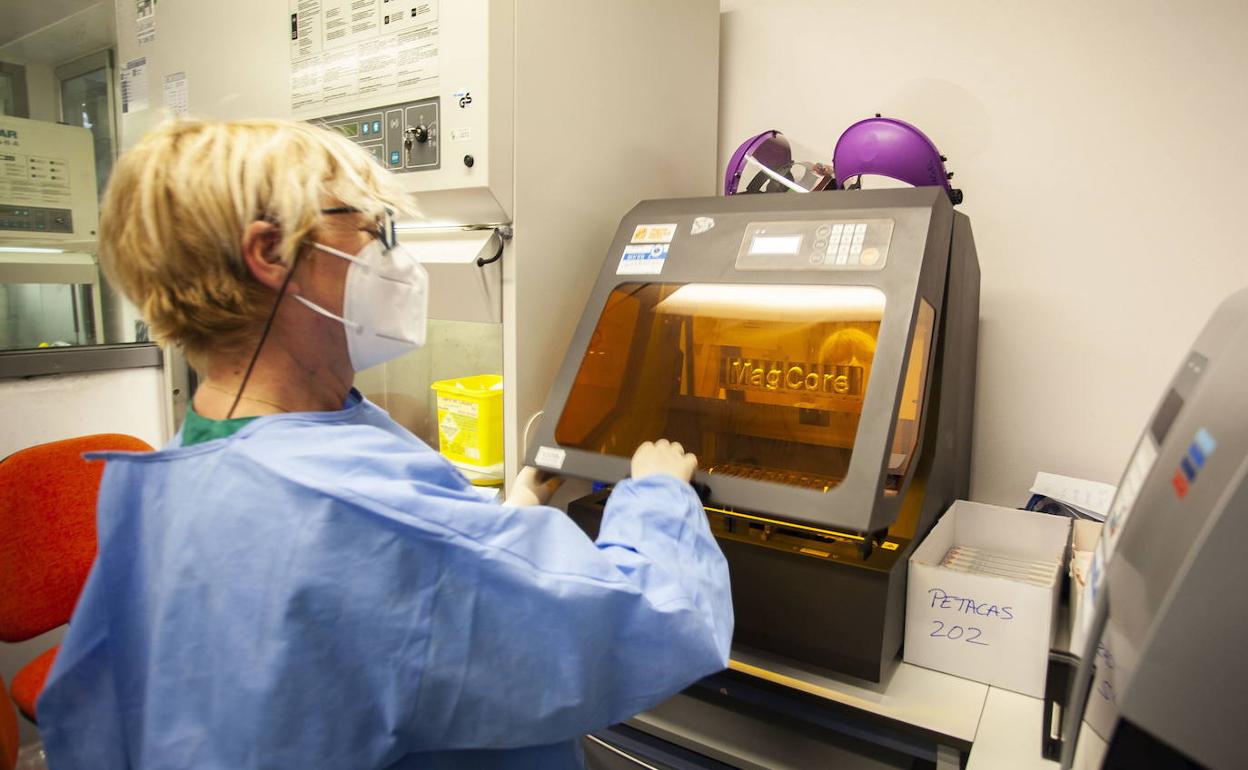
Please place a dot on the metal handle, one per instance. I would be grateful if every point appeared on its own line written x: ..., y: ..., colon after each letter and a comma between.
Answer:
x: 503, y: 234
x: 1057, y: 682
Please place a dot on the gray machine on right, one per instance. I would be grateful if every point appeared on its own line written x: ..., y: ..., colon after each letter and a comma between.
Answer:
x: 1163, y: 679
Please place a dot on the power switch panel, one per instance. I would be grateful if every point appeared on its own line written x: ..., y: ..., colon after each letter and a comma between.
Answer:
x: 33, y: 219
x: 402, y: 137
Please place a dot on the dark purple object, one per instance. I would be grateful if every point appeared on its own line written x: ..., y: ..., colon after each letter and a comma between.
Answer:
x: 892, y: 148
x: 769, y: 148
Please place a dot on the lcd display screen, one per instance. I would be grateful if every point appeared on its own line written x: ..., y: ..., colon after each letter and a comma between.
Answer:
x: 776, y: 244
x: 1171, y: 405
x: 349, y: 130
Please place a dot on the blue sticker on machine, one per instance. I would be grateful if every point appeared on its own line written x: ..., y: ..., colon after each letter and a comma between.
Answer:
x: 1198, y: 453
x: 643, y: 259
x: 1206, y: 442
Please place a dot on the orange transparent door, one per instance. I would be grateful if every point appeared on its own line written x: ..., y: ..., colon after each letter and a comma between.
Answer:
x: 761, y: 381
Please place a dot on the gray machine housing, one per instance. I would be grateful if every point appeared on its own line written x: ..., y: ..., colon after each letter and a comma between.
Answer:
x: 925, y: 232
x: 842, y: 611
x: 1166, y: 651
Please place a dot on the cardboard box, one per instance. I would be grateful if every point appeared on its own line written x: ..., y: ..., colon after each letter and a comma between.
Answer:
x: 1082, y: 544
x: 983, y: 627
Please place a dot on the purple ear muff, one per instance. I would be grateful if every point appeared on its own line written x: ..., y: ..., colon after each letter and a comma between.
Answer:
x: 769, y: 148
x: 892, y: 148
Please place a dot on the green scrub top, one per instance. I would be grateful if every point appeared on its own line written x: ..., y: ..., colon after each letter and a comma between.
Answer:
x: 196, y: 429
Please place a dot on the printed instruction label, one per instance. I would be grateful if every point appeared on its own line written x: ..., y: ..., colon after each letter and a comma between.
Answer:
x: 654, y: 233
x: 550, y: 457
x: 34, y: 179
x: 177, y: 95
x: 145, y: 21
x: 341, y: 49
x: 643, y: 259
x: 134, y: 96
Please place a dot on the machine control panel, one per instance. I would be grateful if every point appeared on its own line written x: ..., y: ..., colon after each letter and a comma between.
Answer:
x: 843, y: 244
x: 34, y: 219
x: 402, y: 137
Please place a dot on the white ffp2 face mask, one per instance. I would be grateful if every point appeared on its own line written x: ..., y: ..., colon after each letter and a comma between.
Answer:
x: 385, y: 303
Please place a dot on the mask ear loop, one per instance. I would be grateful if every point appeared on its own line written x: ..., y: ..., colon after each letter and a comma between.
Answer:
x: 264, y: 335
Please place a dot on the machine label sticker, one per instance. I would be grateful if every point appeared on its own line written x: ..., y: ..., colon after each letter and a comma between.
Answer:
x: 550, y: 457
x: 643, y: 259
x: 460, y: 134
x: 654, y: 233
x: 701, y: 225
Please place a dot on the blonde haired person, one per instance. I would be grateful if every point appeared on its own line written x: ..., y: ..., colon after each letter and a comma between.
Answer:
x: 297, y: 581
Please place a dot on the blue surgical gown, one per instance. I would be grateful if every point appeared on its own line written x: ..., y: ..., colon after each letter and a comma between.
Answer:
x: 322, y: 590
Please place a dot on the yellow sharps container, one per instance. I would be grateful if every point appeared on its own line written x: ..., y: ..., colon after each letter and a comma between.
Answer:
x: 470, y: 422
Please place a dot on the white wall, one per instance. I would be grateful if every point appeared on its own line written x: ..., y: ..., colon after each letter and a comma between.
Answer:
x: 1100, y: 147
x: 41, y: 409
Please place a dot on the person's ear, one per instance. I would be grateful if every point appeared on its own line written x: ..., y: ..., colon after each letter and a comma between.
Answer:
x: 260, y: 244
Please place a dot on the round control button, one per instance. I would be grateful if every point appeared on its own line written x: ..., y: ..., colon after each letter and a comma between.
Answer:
x: 820, y: 245
x: 823, y: 231
x: 816, y: 258
x: 870, y: 256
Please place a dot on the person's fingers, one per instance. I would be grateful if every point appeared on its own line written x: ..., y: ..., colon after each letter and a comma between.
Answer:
x: 679, y: 449
x: 691, y: 461
x: 662, y: 443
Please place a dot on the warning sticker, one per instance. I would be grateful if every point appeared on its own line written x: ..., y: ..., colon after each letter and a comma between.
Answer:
x: 654, y: 233
x: 458, y: 427
x: 643, y: 259
x: 450, y: 427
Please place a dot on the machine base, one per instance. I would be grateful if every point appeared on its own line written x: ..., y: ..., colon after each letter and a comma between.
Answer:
x: 835, y: 609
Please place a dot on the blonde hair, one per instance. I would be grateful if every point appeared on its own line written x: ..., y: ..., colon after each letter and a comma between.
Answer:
x: 177, y: 204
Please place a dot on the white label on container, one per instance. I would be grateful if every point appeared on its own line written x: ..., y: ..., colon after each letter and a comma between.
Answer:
x: 450, y: 428
x: 459, y: 406
x: 550, y: 457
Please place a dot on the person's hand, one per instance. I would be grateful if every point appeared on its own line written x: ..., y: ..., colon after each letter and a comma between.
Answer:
x: 532, y: 487
x: 663, y: 457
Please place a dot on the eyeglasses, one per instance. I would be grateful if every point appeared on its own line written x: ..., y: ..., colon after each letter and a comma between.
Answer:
x: 385, y: 232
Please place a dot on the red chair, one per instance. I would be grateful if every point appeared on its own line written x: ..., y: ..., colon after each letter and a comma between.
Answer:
x: 47, y: 543
x: 8, y: 732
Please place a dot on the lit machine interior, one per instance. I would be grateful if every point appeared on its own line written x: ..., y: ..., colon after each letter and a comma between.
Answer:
x: 817, y: 352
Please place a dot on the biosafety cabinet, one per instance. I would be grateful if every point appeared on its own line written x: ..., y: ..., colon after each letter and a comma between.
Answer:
x: 49, y: 282
x: 522, y: 127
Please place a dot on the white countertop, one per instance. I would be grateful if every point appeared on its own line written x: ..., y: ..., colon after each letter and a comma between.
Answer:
x: 943, y: 703
x: 1009, y: 734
